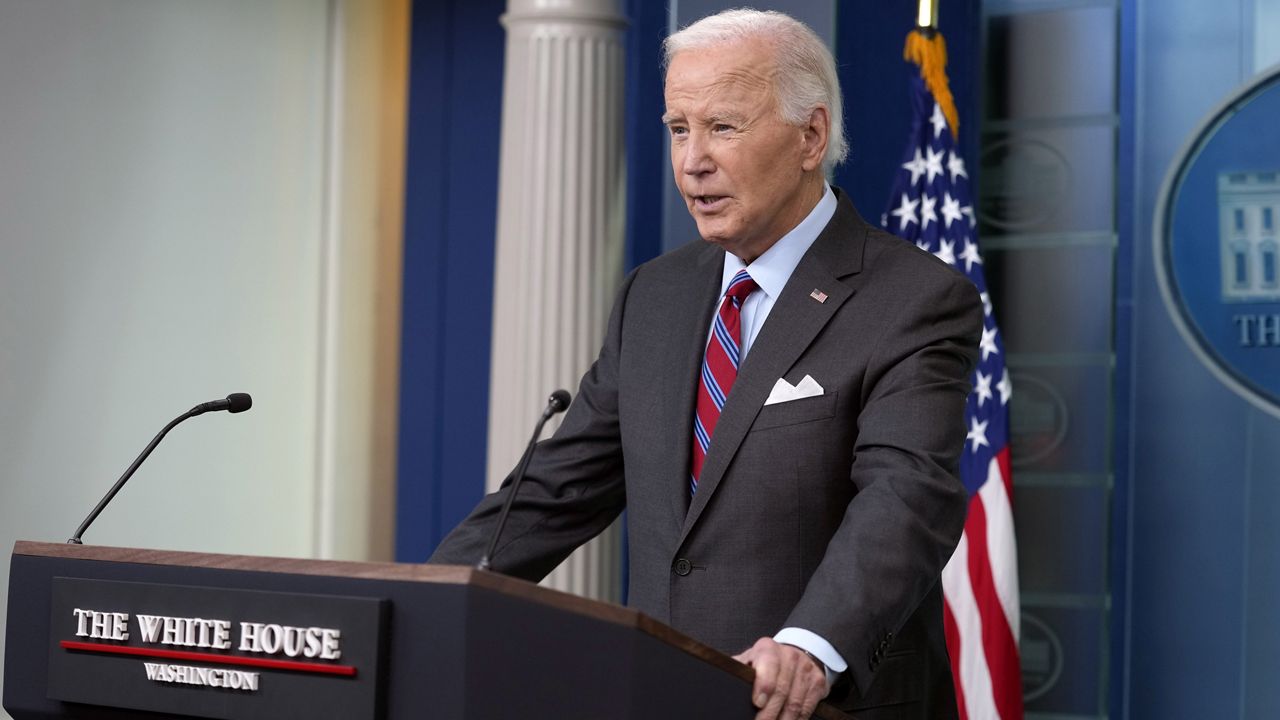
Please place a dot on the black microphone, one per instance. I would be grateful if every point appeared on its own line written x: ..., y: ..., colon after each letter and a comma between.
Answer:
x: 557, y: 403
x: 234, y: 403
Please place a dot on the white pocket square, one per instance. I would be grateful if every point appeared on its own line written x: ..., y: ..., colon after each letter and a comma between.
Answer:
x: 784, y: 391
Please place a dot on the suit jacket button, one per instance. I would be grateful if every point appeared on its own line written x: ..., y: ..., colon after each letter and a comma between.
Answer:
x: 683, y: 567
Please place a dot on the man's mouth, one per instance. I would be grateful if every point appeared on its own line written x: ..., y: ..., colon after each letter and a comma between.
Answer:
x: 709, y: 203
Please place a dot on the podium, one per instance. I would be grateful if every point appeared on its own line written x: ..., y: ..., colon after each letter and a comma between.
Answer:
x: 111, y: 633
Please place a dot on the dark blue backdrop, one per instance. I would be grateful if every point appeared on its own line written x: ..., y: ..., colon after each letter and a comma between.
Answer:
x: 451, y: 185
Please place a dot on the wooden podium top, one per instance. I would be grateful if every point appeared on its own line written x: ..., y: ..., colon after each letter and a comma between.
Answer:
x: 412, y: 573
x: 398, y: 572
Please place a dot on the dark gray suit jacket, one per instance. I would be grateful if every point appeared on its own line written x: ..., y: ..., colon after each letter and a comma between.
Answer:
x: 833, y: 513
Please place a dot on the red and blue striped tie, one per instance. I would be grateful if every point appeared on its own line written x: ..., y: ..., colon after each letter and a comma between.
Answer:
x: 719, y: 369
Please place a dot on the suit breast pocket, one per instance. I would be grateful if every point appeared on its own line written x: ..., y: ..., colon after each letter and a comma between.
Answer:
x: 794, y: 412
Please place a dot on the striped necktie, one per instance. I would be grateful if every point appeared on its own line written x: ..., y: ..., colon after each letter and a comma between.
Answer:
x: 719, y: 369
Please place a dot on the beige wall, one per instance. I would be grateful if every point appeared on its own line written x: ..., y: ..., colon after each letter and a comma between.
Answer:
x: 199, y: 198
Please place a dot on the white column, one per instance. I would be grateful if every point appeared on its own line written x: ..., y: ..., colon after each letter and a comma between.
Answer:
x: 560, y: 231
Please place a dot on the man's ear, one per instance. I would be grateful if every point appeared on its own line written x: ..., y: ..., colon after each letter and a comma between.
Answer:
x: 816, y: 134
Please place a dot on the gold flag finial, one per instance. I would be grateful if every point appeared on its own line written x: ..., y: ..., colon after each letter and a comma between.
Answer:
x: 926, y: 48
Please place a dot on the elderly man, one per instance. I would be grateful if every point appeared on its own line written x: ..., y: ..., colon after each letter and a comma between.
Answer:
x: 779, y: 407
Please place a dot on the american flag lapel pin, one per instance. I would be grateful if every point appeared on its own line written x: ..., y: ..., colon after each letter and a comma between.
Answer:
x: 818, y: 295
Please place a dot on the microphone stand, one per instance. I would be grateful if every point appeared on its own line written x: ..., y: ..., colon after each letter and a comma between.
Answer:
x: 237, y: 402
x: 558, y: 401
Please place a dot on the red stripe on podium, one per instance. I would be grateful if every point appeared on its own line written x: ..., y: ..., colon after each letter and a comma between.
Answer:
x: 344, y: 670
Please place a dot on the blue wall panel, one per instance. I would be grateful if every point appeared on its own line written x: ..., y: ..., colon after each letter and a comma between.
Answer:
x: 647, y: 167
x: 451, y: 184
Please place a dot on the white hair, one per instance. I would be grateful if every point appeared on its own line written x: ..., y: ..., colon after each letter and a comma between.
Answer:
x: 806, y: 72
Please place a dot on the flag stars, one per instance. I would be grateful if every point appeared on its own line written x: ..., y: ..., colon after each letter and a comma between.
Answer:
x: 950, y: 209
x: 967, y: 210
x: 923, y: 244
x: 970, y: 256
x: 916, y: 166
x: 977, y: 433
x: 938, y: 120
x: 947, y: 251
x: 982, y: 388
x: 927, y: 214
x: 955, y: 164
x: 906, y: 212
x: 988, y: 343
x: 986, y: 303
x: 933, y: 164
x: 1005, y: 388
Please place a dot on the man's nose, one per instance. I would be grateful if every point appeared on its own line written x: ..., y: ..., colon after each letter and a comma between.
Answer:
x: 697, y: 155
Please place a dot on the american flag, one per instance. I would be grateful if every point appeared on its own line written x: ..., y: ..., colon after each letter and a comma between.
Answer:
x: 931, y: 206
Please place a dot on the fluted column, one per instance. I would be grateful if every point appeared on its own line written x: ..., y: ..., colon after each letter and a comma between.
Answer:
x: 560, y: 231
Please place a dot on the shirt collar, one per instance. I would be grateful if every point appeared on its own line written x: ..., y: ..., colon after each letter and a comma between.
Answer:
x: 772, y: 269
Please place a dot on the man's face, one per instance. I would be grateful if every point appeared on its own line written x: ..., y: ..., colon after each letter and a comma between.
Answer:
x: 741, y: 169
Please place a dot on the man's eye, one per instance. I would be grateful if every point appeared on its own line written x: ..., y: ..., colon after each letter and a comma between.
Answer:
x: 722, y: 128
x: 678, y: 131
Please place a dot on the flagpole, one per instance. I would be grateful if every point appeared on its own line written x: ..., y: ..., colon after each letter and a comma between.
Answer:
x: 927, y: 17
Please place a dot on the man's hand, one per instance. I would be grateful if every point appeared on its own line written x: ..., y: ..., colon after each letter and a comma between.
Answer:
x: 788, y: 683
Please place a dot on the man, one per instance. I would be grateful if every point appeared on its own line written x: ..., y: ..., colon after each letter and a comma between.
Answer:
x: 779, y: 408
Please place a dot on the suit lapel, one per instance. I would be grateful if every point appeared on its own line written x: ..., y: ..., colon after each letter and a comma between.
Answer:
x: 688, y: 320
x: 793, y: 323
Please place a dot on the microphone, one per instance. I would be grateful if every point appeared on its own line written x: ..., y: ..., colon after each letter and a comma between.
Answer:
x: 234, y: 403
x: 557, y: 403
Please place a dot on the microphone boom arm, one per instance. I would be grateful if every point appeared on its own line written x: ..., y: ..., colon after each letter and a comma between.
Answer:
x: 236, y: 402
x: 558, y: 401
